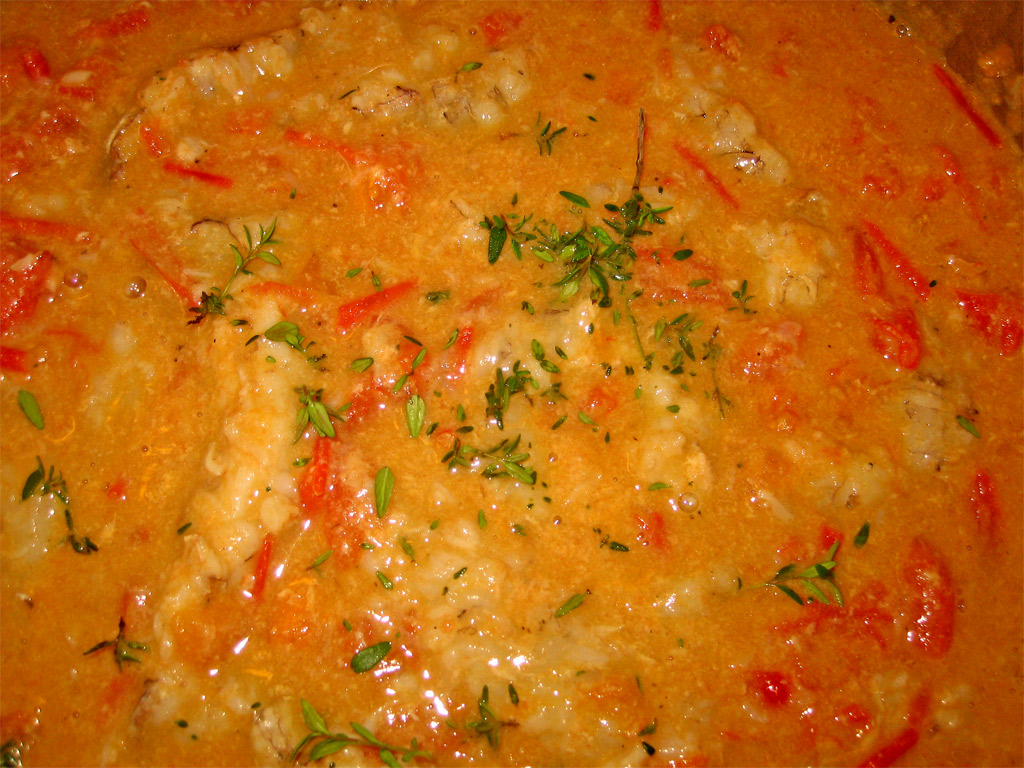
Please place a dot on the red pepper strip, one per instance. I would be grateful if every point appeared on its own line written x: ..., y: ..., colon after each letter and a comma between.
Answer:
x: 894, y: 750
x: 124, y: 23
x: 985, y: 505
x: 321, y: 142
x: 904, y: 267
x: 36, y: 66
x: 259, y: 581
x: 307, y: 297
x: 180, y: 290
x: 713, y: 181
x: 965, y: 106
x: 313, y: 487
x: 654, y: 15
x: 996, y: 317
x: 41, y: 228
x: 867, y: 272
x: 13, y: 360
x: 369, y: 306
x: 194, y: 173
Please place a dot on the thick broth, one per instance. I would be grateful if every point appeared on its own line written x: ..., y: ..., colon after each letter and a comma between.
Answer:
x: 603, y: 459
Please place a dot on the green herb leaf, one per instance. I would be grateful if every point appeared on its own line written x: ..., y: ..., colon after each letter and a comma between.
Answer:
x: 383, y: 485
x: 361, y: 363
x: 29, y: 406
x: 415, y: 412
x: 571, y: 604
x: 967, y: 425
x: 862, y: 536
x: 469, y: 66
x: 575, y: 199
x: 370, y: 657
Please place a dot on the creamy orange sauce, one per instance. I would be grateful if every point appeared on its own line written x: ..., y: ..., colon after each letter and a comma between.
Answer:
x: 743, y: 487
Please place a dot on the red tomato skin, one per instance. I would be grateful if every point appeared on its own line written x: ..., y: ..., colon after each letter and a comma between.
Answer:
x: 771, y: 688
x: 996, y: 317
x: 932, y: 605
x: 894, y: 750
x: 898, y: 339
x: 21, y: 289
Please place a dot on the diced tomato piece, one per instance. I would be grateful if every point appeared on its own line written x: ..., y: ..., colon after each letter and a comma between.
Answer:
x: 371, y: 306
x: 36, y: 66
x: 984, y: 505
x: 22, y: 279
x: 999, y: 318
x: 867, y: 272
x: 13, y: 360
x: 497, y: 26
x: 262, y: 569
x: 313, y: 487
x: 898, y: 339
x: 308, y: 139
x: 894, y: 750
x: 652, y: 530
x: 655, y: 15
x: 126, y: 22
x: 771, y: 688
x: 932, y: 606
x: 189, y: 297
x: 719, y: 38
x: 155, y: 142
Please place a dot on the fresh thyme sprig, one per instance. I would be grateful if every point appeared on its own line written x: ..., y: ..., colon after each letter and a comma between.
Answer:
x: 546, y: 137
x: 501, y: 460
x: 500, y: 392
x: 289, y: 333
x: 123, y: 647
x: 314, y: 411
x: 46, y: 483
x: 212, y: 303
x: 742, y: 299
x: 815, y: 580
x: 325, y: 742
x: 489, y: 725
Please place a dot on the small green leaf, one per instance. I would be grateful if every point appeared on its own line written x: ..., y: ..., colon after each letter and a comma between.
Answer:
x: 415, y: 411
x: 33, y: 480
x: 368, y: 658
x: 361, y: 363
x: 383, y: 485
x: 575, y: 199
x: 312, y: 718
x: 658, y: 486
x: 862, y: 536
x: 469, y: 66
x: 29, y: 406
x: 963, y: 422
x: 571, y: 604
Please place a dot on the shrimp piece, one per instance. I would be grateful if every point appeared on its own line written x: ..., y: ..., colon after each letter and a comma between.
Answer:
x: 794, y: 254
x: 931, y: 434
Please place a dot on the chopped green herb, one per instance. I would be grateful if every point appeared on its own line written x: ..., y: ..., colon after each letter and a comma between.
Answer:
x: 571, y: 604
x: 383, y: 485
x: 353, y: 272
x: 29, y: 406
x: 812, y: 579
x: 481, y: 519
x: 384, y: 580
x: 862, y: 536
x: 327, y: 743
x: 415, y: 411
x: 289, y: 333
x: 184, y: 528
x: 658, y: 486
x: 312, y: 410
x: 546, y: 138
x: 323, y: 558
x: 967, y: 425
x: 469, y: 66
x: 123, y: 647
